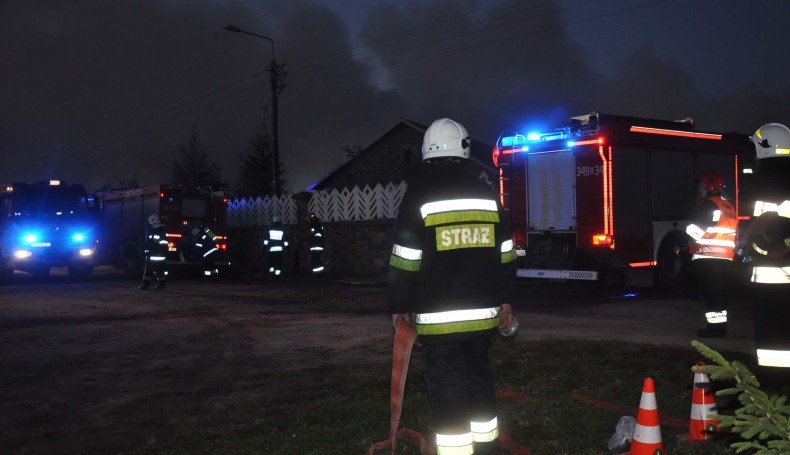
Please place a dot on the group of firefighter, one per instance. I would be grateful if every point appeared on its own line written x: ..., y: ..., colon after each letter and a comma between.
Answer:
x: 202, y: 246
x: 276, y: 243
x: 764, y: 246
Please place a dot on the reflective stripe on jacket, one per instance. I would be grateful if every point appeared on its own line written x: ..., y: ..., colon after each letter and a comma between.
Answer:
x: 717, y: 241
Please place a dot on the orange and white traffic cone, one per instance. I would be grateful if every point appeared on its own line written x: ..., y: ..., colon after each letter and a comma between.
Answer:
x: 703, y: 405
x: 647, y: 432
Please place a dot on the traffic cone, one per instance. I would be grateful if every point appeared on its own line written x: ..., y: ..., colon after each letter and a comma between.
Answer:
x: 647, y: 432
x: 703, y: 405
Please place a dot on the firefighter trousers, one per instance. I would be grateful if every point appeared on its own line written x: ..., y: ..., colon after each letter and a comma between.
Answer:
x: 713, y: 277
x: 771, y: 315
x: 461, y: 388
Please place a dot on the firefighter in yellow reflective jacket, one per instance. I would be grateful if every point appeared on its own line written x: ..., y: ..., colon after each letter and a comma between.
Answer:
x: 451, y: 273
x: 766, y: 244
x: 275, y: 243
x: 155, y: 251
x: 713, y: 228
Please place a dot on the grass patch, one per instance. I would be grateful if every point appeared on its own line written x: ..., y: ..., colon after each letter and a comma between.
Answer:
x: 345, y: 409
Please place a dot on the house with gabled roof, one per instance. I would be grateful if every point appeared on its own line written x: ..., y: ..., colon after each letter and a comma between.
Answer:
x: 391, y: 157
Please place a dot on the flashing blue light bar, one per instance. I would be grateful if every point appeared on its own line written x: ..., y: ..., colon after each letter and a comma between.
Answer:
x: 533, y: 136
x: 78, y: 237
x: 511, y: 141
x: 29, y: 238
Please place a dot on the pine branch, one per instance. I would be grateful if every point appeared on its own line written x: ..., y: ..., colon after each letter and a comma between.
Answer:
x: 763, y: 420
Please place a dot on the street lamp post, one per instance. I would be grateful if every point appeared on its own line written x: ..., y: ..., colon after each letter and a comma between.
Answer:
x: 275, y: 123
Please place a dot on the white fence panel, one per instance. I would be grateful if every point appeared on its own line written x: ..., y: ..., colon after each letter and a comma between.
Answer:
x: 379, y: 202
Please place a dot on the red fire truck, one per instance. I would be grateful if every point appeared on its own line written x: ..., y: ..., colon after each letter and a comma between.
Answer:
x: 607, y: 197
x: 124, y: 215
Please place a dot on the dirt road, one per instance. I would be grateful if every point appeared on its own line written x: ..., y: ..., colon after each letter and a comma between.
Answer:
x: 80, y: 360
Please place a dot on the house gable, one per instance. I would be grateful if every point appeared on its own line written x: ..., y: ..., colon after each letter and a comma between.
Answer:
x: 395, y: 155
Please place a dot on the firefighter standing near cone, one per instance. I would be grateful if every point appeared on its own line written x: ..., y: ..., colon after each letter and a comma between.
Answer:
x: 155, y: 252
x: 713, y: 228
x: 766, y: 245
x: 452, y: 270
x: 275, y: 243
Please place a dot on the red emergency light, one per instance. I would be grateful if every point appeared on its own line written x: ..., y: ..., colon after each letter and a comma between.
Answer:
x: 602, y: 239
x: 598, y: 141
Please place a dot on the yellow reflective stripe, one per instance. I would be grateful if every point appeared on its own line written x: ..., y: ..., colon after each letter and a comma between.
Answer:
x: 461, y: 217
x: 454, y: 444
x: 405, y: 264
x: 510, y: 256
x: 771, y: 275
x: 454, y: 205
x: 485, y: 431
x: 773, y: 358
x: 456, y: 327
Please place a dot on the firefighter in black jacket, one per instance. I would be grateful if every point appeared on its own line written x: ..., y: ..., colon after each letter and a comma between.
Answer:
x: 713, y: 227
x: 452, y: 270
x: 155, y: 251
x: 766, y: 245
x: 316, y: 244
x: 275, y: 242
x: 206, y: 247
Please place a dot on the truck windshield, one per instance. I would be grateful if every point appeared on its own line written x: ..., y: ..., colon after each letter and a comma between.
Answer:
x: 49, y: 200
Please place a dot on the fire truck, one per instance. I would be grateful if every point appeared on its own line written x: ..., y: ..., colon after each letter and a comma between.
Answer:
x: 124, y: 219
x: 607, y: 197
x: 46, y: 224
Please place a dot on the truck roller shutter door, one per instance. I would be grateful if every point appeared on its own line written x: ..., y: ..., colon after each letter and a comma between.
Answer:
x: 550, y: 191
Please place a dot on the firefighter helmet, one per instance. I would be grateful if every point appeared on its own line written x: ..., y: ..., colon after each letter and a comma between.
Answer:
x: 710, y: 181
x: 445, y: 138
x: 153, y: 220
x: 772, y: 140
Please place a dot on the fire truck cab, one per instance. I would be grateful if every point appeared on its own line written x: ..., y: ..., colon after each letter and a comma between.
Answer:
x: 46, y: 224
x: 607, y: 197
x: 124, y: 215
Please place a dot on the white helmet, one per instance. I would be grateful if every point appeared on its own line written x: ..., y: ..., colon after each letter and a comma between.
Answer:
x: 153, y: 220
x: 772, y: 140
x: 445, y: 138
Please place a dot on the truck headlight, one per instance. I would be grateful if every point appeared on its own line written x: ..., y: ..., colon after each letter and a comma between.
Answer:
x: 84, y: 252
x: 22, y: 254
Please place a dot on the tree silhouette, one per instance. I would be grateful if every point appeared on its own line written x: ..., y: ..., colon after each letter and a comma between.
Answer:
x: 255, y: 171
x: 193, y: 170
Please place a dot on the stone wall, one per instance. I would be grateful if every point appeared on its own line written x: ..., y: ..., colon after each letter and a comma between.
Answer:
x: 352, y: 249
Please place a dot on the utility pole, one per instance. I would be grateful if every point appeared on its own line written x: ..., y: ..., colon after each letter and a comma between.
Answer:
x: 276, y: 86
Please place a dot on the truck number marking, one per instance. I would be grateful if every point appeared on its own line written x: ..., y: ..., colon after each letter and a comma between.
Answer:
x: 587, y: 171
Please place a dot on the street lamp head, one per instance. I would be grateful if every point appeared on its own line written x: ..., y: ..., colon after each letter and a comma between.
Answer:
x: 232, y: 28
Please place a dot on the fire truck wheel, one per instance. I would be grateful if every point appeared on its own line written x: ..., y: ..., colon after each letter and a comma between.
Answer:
x: 133, y: 265
x: 673, y: 262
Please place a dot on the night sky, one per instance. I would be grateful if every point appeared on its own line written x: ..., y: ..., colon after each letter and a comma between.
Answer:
x: 97, y: 90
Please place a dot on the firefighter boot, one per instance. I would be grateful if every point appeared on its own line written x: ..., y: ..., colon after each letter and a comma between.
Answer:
x: 713, y: 330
